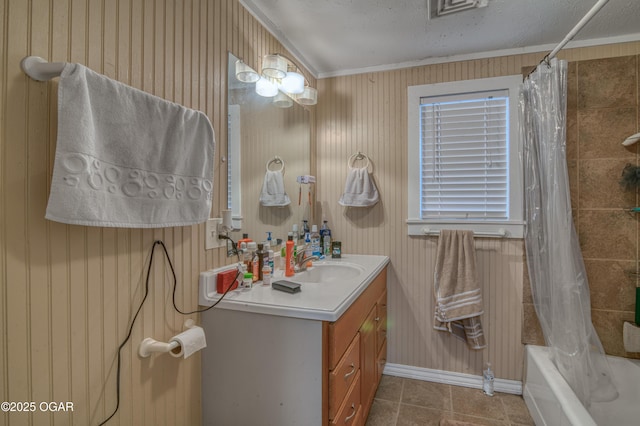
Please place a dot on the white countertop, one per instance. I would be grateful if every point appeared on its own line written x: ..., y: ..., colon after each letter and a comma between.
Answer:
x: 325, y: 301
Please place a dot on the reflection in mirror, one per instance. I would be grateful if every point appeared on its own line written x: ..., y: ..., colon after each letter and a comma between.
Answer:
x: 260, y: 129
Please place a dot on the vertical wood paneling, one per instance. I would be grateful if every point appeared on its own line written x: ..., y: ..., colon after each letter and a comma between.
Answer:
x: 368, y: 112
x: 68, y: 293
x: 4, y: 361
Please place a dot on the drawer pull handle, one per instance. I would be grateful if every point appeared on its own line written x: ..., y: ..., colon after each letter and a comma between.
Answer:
x: 377, y: 319
x: 353, y: 370
x: 353, y: 407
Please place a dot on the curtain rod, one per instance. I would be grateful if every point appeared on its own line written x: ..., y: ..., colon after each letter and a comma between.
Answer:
x: 571, y: 34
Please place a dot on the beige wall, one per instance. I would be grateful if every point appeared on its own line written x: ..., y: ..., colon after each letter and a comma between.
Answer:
x: 368, y: 113
x: 67, y: 292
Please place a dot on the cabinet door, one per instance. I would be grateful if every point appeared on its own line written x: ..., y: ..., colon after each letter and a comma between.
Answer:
x: 381, y: 335
x: 381, y: 360
x: 381, y: 320
x: 368, y: 353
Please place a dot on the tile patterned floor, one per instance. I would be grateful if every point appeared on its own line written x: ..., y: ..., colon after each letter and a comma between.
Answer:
x: 404, y: 402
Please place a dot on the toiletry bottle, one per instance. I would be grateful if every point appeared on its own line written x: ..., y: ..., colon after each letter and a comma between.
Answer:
x: 325, y: 238
x: 296, y: 234
x: 267, y: 249
x: 336, y: 249
x: 242, y: 270
x: 247, y: 282
x: 266, y: 276
x: 289, y: 271
x: 252, y: 247
x: 305, y: 226
x: 487, y: 380
x: 315, y: 241
x: 245, y: 239
x: 260, y: 255
x: 308, y: 250
x: 271, y: 261
x: 246, y: 257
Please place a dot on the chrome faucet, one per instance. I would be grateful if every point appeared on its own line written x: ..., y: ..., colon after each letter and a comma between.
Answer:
x: 301, y: 261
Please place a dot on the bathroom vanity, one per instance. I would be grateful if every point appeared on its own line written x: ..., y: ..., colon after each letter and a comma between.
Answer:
x: 310, y: 358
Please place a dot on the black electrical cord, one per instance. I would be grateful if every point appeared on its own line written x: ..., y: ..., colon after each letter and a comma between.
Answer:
x: 175, y: 282
x: 144, y: 298
x: 126, y: 339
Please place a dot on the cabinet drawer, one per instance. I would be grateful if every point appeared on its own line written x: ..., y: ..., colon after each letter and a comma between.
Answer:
x: 341, y: 378
x: 348, y: 412
x: 342, y: 331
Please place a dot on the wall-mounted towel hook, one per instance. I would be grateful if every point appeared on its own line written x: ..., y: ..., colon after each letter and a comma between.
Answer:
x: 41, y: 70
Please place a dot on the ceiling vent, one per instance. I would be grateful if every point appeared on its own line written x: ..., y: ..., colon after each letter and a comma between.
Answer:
x: 447, y: 7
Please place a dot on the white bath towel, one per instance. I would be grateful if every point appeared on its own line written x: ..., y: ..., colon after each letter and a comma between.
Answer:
x: 359, y: 189
x: 458, y: 296
x: 273, y: 193
x: 125, y: 158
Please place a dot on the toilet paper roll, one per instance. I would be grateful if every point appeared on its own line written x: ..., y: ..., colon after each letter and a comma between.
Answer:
x: 189, y: 342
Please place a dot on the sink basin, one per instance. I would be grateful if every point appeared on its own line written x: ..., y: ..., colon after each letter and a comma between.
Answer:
x: 329, y: 272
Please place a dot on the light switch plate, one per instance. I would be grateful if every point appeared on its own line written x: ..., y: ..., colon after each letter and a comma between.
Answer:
x: 211, y: 240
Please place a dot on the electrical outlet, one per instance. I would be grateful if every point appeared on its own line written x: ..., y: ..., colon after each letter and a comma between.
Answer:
x: 211, y: 240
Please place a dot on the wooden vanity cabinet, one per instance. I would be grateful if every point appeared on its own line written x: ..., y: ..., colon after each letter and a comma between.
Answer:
x: 355, y: 355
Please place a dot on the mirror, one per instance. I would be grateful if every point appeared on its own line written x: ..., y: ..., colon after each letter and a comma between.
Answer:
x: 258, y: 132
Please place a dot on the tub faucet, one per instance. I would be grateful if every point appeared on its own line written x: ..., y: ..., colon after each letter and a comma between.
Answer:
x: 301, y: 261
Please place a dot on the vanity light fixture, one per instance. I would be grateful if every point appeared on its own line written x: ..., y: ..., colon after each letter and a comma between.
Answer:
x: 245, y: 73
x: 308, y: 97
x: 286, y: 74
x: 292, y: 83
x: 266, y: 87
x: 274, y: 66
x: 282, y: 101
x: 279, y: 76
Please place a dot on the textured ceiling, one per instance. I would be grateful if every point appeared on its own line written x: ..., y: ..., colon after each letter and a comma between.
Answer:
x: 337, y: 37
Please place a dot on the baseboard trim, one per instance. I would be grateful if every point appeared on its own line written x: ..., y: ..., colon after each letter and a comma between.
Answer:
x: 451, y: 378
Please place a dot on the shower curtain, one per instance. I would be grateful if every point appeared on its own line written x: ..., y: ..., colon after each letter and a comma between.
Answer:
x: 556, y: 269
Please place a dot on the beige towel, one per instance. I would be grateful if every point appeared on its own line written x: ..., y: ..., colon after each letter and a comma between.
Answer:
x: 457, y: 292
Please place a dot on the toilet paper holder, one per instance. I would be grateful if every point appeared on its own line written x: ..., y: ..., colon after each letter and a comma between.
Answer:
x: 149, y: 345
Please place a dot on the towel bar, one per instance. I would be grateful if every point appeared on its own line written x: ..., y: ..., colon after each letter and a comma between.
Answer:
x: 41, y: 70
x: 501, y: 233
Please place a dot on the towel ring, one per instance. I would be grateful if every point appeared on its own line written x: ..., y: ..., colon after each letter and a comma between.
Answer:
x: 358, y: 156
x: 276, y: 160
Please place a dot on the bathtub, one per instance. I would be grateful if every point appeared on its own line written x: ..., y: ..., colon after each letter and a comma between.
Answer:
x: 551, y: 401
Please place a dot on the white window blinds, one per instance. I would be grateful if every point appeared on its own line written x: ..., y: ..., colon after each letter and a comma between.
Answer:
x: 465, y: 156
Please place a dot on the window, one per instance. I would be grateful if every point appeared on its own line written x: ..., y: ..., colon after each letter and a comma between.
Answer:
x: 464, y: 169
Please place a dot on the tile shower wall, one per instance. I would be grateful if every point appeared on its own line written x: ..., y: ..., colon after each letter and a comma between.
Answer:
x: 67, y: 292
x: 368, y: 113
x: 602, y: 110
